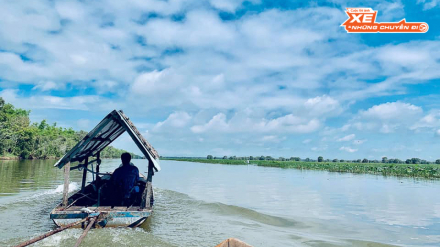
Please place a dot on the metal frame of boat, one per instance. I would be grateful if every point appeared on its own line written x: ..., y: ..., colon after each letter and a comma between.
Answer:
x: 87, y: 203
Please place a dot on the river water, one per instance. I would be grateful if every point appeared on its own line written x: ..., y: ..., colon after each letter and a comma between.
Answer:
x: 202, y: 204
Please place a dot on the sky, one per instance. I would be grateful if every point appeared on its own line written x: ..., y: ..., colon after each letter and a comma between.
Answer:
x: 224, y: 77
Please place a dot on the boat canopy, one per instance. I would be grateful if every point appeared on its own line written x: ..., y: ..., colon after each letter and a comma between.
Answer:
x: 108, y: 130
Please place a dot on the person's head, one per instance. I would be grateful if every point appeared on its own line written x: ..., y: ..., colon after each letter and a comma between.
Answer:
x: 126, y: 158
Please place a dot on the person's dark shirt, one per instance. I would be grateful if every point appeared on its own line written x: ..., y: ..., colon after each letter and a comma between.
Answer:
x: 125, y: 178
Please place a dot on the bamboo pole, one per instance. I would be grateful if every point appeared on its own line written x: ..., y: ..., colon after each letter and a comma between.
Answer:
x: 148, y: 191
x: 84, y: 178
x: 149, y: 194
x: 66, y: 183
x: 146, y: 195
x: 92, y: 221
x: 50, y: 233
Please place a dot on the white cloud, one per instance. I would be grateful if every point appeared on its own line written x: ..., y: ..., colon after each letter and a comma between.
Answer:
x: 307, y: 141
x: 388, y: 128
x: 347, y: 138
x: 52, y: 102
x: 229, y: 5
x: 174, y: 120
x: 323, y: 105
x: 47, y: 85
x: 429, y: 4
x: 72, y: 10
x: 238, y: 123
x: 390, y: 11
x: 348, y: 149
x: 212, y: 31
x: 268, y: 73
x: 273, y: 138
x: 217, y: 123
x: 151, y: 83
x: 320, y: 148
x: 429, y: 121
x: 106, y: 86
x: 387, y: 118
x: 393, y: 117
x: 393, y: 111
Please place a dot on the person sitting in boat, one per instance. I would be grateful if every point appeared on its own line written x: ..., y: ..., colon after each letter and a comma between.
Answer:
x: 124, y: 180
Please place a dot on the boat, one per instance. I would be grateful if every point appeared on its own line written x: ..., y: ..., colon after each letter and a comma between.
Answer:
x: 233, y: 242
x: 94, y: 200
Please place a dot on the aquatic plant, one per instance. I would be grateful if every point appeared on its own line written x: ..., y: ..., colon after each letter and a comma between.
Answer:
x: 385, y: 169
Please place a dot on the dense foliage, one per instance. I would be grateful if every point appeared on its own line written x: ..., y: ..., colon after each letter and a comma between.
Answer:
x: 111, y: 152
x: 386, y: 169
x: 384, y: 160
x: 21, y: 138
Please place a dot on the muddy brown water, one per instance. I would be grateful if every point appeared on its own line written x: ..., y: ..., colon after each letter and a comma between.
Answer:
x: 203, y: 204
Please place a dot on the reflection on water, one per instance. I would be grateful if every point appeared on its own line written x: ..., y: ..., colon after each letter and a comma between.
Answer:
x: 202, y: 204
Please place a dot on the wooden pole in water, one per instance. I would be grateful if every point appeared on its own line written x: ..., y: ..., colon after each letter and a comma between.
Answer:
x: 50, y: 233
x: 66, y: 183
x: 92, y: 221
x: 83, y: 185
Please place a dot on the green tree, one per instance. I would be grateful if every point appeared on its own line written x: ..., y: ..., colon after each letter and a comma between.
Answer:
x: 384, y: 160
x: 320, y: 159
x: 365, y: 161
x: 209, y: 157
x: 336, y: 160
x: 18, y: 137
x: 437, y: 161
x: 415, y: 160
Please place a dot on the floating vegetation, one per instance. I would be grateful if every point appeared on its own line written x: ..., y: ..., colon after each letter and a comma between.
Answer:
x: 399, y: 170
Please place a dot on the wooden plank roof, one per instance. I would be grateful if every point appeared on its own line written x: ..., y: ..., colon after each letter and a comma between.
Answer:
x: 108, y: 130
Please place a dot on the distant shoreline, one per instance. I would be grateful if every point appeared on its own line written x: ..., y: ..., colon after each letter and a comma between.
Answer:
x: 429, y: 171
x: 9, y: 158
x: 49, y: 158
x: 20, y: 158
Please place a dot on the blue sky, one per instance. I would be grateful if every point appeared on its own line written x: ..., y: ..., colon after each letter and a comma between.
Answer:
x: 224, y: 77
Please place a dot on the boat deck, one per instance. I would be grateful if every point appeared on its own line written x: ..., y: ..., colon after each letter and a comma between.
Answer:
x: 101, y: 209
x: 107, y: 216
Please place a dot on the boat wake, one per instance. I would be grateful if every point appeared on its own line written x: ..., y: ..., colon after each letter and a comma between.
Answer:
x: 31, y: 198
x: 178, y: 220
x: 73, y: 186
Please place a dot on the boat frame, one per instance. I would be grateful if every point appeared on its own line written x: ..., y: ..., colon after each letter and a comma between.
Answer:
x: 108, y: 130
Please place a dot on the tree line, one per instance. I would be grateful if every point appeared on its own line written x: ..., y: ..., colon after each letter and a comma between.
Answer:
x: 21, y: 138
x: 321, y: 159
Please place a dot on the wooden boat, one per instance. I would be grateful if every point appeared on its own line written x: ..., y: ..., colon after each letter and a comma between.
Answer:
x: 95, y: 199
x: 233, y: 242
